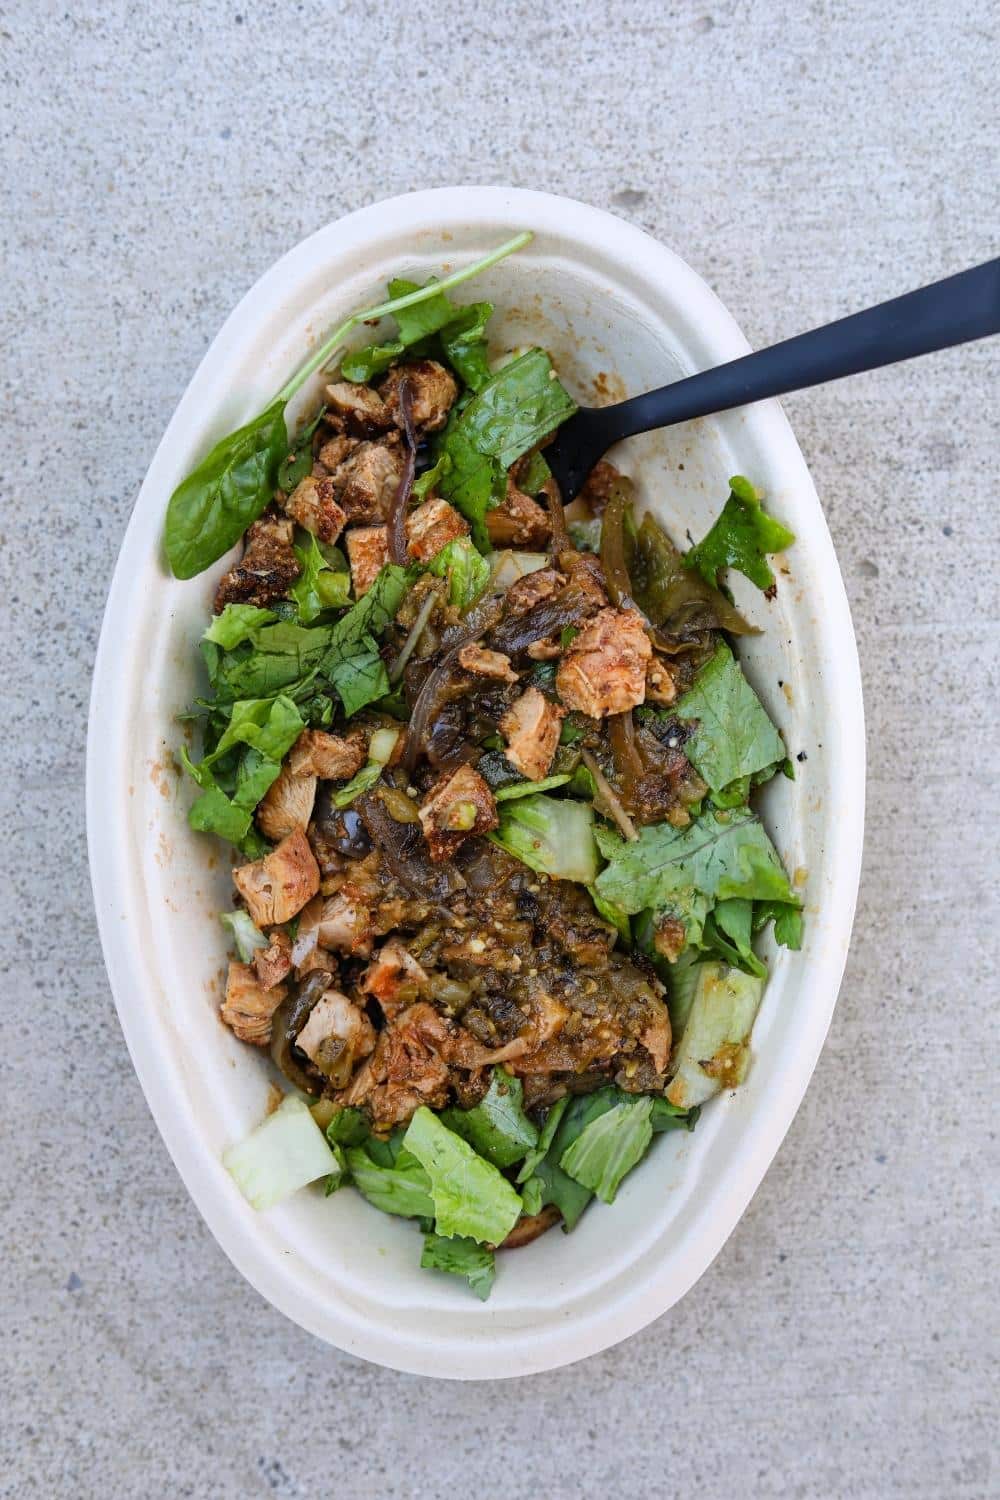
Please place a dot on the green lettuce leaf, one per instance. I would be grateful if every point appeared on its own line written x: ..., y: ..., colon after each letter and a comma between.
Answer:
x: 667, y: 1116
x: 542, y: 1173
x: 397, y: 1186
x: 470, y: 1197
x: 610, y: 1146
x: 718, y: 855
x: 360, y: 678
x: 497, y: 1127
x: 246, y: 760
x: 461, y: 1257
x: 423, y: 485
x: 463, y: 344
x: 741, y: 538
x: 348, y: 1127
x: 247, y: 937
x: 728, y: 932
x: 318, y: 586
x: 515, y: 409
x: 733, y: 738
x: 237, y: 623
x: 461, y: 337
x: 787, y: 922
x: 465, y: 568
x: 553, y: 836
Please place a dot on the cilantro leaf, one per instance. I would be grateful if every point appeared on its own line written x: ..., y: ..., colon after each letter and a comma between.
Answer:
x: 733, y: 737
x: 741, y: 538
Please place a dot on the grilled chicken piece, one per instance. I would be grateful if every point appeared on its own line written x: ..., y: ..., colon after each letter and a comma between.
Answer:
x: 657, y: 1038
x: 267, y: 568
x: 368, y: 478
x: 484, y: 663
x: 336, y: 1037
x: 395, y: 978
x: 361, y: 409
x: 604, y: 669
x: 313, y: 504
x: 433, y: 392
x: 248, y: 1006
x: 332, y: 757
x: 531, y: 728
x: 279, y: 885
x: 271, y: 964
x: 660, y: 685
x: 287, y: 804
x: 432, y: 526
x: 334, y: 451
x: 531, y: 590
x: 404, y: 1071
x: 518, y: 521
x: 346, y: 923
x: 459, y: 804
x: 367, y: 553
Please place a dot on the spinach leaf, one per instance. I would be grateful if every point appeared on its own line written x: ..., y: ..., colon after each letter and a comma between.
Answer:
x: 497, y: 1126
x: 463, y: 344
x: 462, y: 1257
x: 210, y: 509
x: 360, y: 678
x: 461, y: 331
x: 276, y: 658
x: 470, y: 1197
x: 717, y: 856
x: 610, y: 1146
x: 515, y: 409
x: 733, y: 737
x: 297, y: 462
x: 741, y: 538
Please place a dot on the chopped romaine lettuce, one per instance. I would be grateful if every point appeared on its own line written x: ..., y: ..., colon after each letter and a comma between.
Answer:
x: 462, y: 1257
x: 284, y: 1152
x: 469, y: 1195
x: 610, y: 1146
x: 733, y: 737
x: 245, y: 761
x: 551, y: 835
x: 318, y: 586
x: 363, y: 781
x: 466, y: 570
x: 236, y: 624
x: 347, y: 1127
x: 713, y: 1047
x: 497, y: 1126
x: 741, y: 538
x: 246, y: 936
x: 396, y: 1183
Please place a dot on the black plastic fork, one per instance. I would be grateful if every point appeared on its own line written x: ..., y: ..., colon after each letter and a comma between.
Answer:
x: 949, y: 312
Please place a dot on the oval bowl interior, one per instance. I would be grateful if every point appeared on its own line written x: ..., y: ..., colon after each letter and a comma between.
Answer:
x: 620, y: 314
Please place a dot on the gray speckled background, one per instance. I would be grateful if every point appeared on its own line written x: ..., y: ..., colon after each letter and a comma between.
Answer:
x: 807, y: 159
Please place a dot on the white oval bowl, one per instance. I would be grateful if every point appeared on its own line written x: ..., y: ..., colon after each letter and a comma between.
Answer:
x: 621, y: 314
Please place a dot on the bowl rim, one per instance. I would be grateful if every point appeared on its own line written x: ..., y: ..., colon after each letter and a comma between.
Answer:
x: 474, y: 1357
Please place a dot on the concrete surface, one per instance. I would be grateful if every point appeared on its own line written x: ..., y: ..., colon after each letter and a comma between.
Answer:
x: 808, y: 160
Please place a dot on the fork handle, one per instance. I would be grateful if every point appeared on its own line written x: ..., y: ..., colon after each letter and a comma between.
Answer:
x: 948, y: 312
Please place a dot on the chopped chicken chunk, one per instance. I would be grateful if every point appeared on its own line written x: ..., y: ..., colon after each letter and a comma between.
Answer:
x: 313, y: 505
x: 484, y: 663
x: 272, y: 963
x: 545, y: 650
x: 287, y: 804
x: 604, y: 669
x: 361, y: 409
x: 432, y: 393
x: 279, y: 885
x: 346, y: 924
x: 367, y: 553
x: 587, y: 575
x: 332, y: 757
x: 267, y: 568
x: 531, y: 728
x: 336, y: 1036
x: 335, y: 450
x: 657, y: 1038
x: 432, y: 526
x: 394, y: 977
x: 248, y: 1006
x: 518, y: 521
x: 459, y: 804
x: 660, y: 685
x: 405, y: 1070
x: 531, y: 590
x: 367, y: 480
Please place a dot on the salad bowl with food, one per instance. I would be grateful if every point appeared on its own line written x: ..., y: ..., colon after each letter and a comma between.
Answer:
x: 475, y: 873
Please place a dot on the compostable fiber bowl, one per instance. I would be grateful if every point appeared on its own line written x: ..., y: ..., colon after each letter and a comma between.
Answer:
x: 620, y: 313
